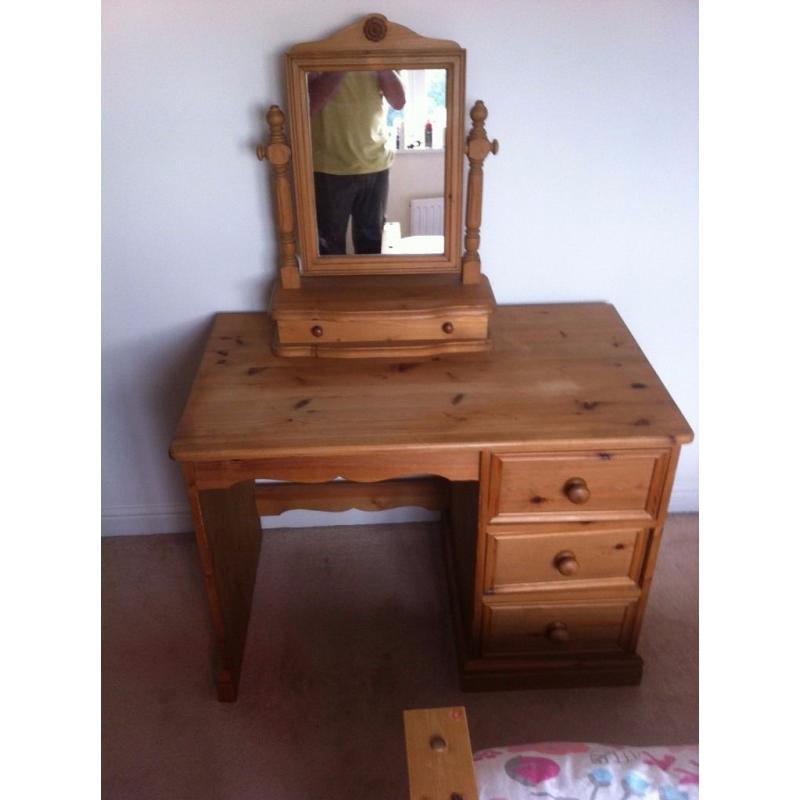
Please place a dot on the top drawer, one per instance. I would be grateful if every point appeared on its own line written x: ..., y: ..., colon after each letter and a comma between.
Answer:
x: 623, y: 484
x: 384, y: 328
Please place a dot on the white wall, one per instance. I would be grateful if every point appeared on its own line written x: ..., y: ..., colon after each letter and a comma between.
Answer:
x: 593, y: 195
x: 414, y: 174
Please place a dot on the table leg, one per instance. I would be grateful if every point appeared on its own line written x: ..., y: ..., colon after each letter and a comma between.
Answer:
x: 228, y: 532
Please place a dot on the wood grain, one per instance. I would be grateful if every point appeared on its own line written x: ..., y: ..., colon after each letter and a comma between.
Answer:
x: 549, y: 671
x: 524, y: 628
x: 534, y: 487
x: 350, y: 49
x: 563, y: 375
x: 654, y: 542
x: 327, y: 328
x: 477, y: 148
x: 359, y: 297
x: 439, y: 754
x: 382, y: 316
x: 279, y: 154
x: 525, y: 557
x: 566, y: 396
x: 460, y: 539
x: 397, y: 350
x: 377, y: 465
x: 429, y: 493
x: 228, y: 534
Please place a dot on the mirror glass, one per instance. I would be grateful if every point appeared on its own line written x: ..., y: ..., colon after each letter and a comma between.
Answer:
x: 377, y: 144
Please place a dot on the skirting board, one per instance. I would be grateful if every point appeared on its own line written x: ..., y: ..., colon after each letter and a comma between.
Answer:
x: 142, y: 520
x: 131, y: 520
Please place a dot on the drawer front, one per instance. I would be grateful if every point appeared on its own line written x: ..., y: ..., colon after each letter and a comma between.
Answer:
x: 621, y: 484
x: 510, y: 629
x: 525, y: 558
x: 383, y: 329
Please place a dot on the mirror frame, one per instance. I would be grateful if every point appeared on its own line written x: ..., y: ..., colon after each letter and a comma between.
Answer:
x: 375, y: 43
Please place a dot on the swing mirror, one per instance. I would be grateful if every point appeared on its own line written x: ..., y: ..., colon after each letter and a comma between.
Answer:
x: 377, y: 126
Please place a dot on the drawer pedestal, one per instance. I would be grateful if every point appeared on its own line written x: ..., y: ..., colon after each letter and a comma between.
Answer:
x: 557, y: 584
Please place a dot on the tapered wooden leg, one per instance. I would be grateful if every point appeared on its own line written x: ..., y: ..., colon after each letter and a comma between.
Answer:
x: 228, y: 533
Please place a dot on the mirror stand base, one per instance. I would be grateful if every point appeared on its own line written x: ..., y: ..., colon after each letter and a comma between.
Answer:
x: 382, y: 317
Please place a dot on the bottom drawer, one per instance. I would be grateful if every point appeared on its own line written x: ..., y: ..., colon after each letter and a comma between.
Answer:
x: 593, y: 626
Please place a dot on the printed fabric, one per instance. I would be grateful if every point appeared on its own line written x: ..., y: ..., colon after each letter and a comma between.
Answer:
x: 581, y: 771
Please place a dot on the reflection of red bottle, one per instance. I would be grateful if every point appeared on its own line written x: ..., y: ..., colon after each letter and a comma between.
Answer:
x: 428, y: 134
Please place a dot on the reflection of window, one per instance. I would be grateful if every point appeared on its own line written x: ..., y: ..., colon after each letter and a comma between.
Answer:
x: 425, y: 108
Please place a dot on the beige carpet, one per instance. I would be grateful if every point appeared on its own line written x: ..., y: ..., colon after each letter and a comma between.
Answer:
x: 349, y: 627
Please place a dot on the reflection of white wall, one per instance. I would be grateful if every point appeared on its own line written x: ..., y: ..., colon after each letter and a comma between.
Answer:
x: 417, y: 173
x: 593, y: 195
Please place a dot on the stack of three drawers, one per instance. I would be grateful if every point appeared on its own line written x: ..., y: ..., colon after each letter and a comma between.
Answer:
x: 566, y: 546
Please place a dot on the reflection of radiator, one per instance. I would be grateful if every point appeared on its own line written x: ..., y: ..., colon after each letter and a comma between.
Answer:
x: 427, y: 216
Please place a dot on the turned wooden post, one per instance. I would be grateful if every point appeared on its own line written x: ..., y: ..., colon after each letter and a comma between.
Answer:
x: 477, y: 148
x: 279, y: 155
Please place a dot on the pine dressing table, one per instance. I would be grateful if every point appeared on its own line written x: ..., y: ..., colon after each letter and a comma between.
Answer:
x: 380, y: 380
x: 551, y: 457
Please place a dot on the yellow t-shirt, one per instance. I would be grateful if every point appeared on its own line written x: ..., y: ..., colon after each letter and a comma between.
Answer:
x: 349, y: 135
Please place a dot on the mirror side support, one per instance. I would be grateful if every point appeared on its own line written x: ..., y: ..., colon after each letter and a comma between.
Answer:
x: 477, y: 148
x: 279, y: 155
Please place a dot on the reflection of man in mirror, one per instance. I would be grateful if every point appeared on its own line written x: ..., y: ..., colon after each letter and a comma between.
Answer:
x: 352, y: 154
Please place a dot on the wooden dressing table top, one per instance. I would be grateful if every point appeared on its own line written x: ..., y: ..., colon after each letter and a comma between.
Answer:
x: 557, y: 374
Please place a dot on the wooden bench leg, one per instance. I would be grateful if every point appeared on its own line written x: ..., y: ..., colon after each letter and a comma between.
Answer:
x: 439, y: 754
x: 228, y: 532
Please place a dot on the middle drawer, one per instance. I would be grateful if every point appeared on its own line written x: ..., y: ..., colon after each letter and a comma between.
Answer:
x: 532, y: 557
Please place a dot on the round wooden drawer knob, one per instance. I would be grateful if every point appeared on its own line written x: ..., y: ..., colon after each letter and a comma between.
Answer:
x: 557, y: 633
x: 577, y: 491
x: 566, y: 563
x: 438, y: 744
x: 316, y: 331
x: 448, y: 327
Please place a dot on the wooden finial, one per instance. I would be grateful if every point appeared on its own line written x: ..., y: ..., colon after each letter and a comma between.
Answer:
x: 276, y: 120
x: 279, y: 154
x: 477, y: 148
x: 478, y: 113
